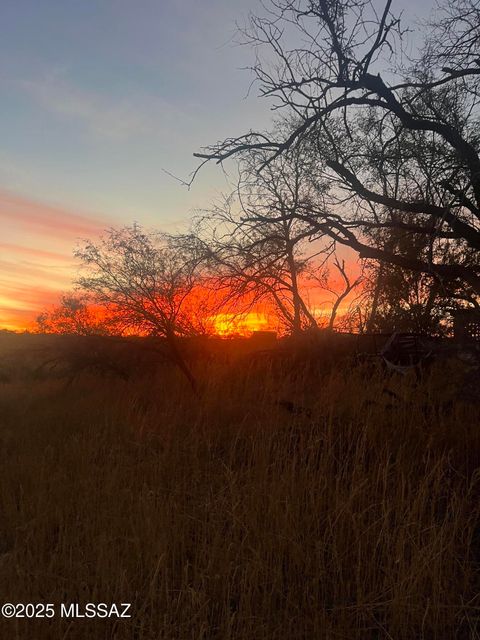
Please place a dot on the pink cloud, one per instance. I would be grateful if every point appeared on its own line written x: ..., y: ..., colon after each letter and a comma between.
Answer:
x: 29, y: 214
x: 33, y: 253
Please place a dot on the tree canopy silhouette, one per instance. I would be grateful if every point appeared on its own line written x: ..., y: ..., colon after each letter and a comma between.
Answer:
x: 145, y: 281
x: 394, y: 139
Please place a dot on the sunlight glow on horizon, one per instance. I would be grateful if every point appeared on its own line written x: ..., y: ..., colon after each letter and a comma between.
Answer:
x: 225, y: 324
x: 94, y: 111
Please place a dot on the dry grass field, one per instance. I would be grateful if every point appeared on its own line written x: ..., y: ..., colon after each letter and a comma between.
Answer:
x: 283, y: 502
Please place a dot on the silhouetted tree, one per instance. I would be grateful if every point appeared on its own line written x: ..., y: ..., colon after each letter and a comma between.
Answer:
x: 74, y: 315
x: 145, y: 281
x: 339, y: 290
x: 397, y: 150
x: 256, y: 246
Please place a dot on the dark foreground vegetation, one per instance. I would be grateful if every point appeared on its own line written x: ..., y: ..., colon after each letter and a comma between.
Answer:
x: 286, y: 500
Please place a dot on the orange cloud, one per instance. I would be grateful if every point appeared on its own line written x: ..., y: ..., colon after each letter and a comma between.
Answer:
x: 36, y: 261
x: 20, y: 305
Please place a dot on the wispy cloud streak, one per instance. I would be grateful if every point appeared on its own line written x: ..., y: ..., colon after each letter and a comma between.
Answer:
x: 40, y: 217
x: 102, y: 114
x: 36, y: 259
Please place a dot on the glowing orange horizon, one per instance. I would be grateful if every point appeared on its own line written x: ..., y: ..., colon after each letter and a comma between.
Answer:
x: 32, y: 280
x: 224, y: 322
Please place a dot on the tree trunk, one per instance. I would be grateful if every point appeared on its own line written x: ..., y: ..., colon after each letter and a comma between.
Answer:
x: 376, y: 299
x: 430, y: 302
x: 296, y: 299
x: 179, y: 360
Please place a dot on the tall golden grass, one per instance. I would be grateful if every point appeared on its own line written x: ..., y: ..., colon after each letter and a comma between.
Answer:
x: 237, y: 515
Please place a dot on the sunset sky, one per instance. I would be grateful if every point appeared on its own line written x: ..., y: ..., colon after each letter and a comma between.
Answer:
x: 98, y: 98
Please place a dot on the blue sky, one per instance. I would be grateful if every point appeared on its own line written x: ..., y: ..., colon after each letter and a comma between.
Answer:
x: 96, y: 99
